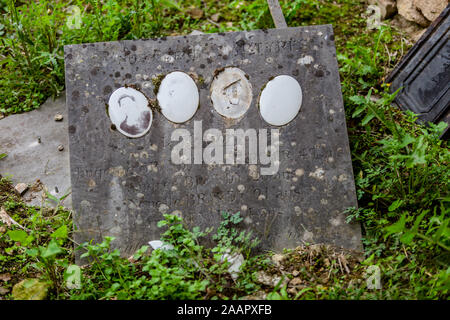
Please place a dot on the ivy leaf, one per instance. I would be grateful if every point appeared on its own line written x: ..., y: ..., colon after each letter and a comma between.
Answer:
x: 52, y: 250
x: 162, y: 223
x: 32, y: 252
x: 18, y: 235
x: 60, y: 233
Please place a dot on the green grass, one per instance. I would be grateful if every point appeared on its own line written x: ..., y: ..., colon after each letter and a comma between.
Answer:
x: 401, y: 168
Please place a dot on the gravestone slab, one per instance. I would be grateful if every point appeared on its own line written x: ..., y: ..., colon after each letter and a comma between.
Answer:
x: 423, y: 75
x: 293, y: 183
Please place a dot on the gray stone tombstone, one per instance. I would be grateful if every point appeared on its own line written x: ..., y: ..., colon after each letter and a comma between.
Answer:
x: 423, y: 75
x: 277, y: 89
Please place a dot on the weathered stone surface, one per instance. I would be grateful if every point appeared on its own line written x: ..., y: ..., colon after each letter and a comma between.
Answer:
x: 423, y: 75
x: 122, y: 187
x: 409, y: 11
x: 388, y: 7
x: 235, y: 261
x: 431, y: 9
x: 412, y: 29
x: 32, y: 150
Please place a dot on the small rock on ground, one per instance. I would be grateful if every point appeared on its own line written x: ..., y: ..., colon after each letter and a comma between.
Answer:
x: 215, y: 17
x: 21, y: 188
x: 431, y: 9
x: 3, y: 291
x: 195, y: 13
x: 270, y: 280
x: 387, y: 7
x: 260, y: 295
x: 409, y: 11
x: 277, y: 259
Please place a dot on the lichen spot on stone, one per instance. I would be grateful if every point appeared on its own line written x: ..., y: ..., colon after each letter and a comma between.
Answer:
x: 117, y: 171
x: 305, y: 60
x: 163, y: 208
x: 317, y: 174
x: 253, y: 172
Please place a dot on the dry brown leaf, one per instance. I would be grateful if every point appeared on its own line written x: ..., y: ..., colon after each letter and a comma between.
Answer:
x: 6, y: 219
x: 295, y: 282
x: 195, y: 13
x: 344, y: 263
x: 215, y: 17
x: 3, y: 291
x: 5, y: 277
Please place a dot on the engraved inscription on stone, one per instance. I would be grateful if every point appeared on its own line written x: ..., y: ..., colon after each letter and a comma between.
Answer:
x: 277, y: 152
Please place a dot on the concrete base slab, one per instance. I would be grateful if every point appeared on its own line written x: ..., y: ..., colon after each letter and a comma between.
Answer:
x: 32, y: 141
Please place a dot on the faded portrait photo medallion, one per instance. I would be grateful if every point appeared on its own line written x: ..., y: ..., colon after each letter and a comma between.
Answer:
x: 129, y: 112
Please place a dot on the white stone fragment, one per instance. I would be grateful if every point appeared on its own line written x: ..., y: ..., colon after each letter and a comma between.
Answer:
x: 178, y: 97
x: 129, y: 111
x: 280, y: 100
x: 305, y: 60
x: 21, y: 188
x: 235, y: 260
x: 317, y: 174
x: 158, y: 244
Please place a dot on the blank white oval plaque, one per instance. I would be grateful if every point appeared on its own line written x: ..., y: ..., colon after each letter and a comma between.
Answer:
x: 129, y: 111
x: 178, y: 97
x: 280, y: 100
